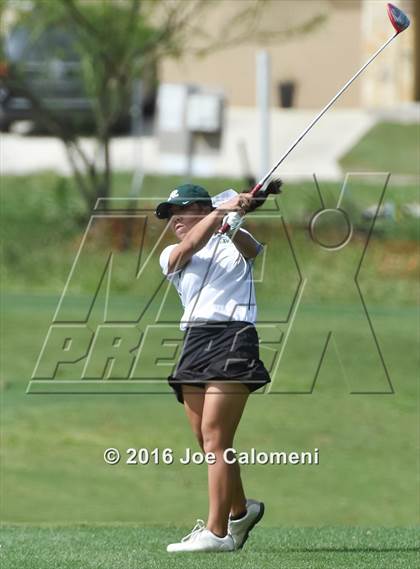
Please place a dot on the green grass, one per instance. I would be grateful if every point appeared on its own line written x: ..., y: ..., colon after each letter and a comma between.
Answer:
x: 387, y: 147
x: 131, y: 547
x: 52, y: 445
x: 41, y: 237
x: 53, y: 473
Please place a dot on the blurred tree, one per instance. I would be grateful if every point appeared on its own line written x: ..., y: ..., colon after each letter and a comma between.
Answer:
x: 119, y: 41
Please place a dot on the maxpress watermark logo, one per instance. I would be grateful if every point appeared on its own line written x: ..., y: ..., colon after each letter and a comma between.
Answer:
x: 130, y: 342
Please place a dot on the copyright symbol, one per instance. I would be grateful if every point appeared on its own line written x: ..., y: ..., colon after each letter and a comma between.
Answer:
x: 111, y: 456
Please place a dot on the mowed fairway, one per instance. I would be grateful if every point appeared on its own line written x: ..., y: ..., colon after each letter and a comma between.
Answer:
x: 53, y: 469
x: 131, y: 547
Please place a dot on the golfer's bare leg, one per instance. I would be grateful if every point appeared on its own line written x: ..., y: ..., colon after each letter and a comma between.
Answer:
x: 193, y: 405
x: 222, y: 411
x: 238, y: 503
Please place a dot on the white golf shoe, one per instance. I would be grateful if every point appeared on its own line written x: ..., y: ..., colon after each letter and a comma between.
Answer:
x: 202, y: 539
x: 239, y: 529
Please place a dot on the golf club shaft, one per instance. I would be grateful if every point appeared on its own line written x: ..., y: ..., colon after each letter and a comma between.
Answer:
x: 261, y: 183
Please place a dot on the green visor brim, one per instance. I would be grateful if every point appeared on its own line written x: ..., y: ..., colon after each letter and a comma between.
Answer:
x: 163, y: 210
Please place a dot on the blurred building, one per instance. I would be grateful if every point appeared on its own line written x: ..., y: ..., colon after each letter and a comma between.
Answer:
x: 308, y: 68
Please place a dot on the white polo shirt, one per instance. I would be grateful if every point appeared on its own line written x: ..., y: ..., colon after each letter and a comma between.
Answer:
x: 216, y: 284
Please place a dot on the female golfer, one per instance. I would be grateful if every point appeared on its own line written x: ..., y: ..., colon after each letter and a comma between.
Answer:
x: 219, y: 365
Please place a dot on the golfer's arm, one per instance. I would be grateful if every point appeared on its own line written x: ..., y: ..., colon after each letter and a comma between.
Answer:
x: 195, y: 240
x: 246, y: 244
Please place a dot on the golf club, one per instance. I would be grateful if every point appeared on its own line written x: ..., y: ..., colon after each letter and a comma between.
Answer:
x: 400, y: 22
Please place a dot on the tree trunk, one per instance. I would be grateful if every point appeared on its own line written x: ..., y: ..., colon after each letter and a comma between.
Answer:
x: 104, y: 189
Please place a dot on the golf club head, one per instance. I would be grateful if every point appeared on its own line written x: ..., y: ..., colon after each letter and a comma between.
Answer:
x: 399, y: 20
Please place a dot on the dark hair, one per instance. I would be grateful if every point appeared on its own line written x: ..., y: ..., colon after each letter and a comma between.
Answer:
x: 206, y: 206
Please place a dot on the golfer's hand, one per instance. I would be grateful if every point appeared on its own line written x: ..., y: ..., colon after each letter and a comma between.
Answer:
x: 274, y: 187
x: 240, y: 204
x: 234, y: 221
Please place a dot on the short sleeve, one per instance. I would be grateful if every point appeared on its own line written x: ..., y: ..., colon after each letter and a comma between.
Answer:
x: 259, y: 245
x: 164, y: 261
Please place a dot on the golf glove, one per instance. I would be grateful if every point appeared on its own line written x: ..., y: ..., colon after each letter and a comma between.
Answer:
x: 234, y: 220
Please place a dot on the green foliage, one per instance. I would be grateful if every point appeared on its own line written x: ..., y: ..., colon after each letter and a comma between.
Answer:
x: 113, y: 41
x: 41, y: 233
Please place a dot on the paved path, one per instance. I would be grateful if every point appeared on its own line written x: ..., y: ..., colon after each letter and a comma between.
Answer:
x: 318, y: 153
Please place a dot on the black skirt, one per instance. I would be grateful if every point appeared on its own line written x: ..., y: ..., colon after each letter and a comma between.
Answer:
x: 224, y: 351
